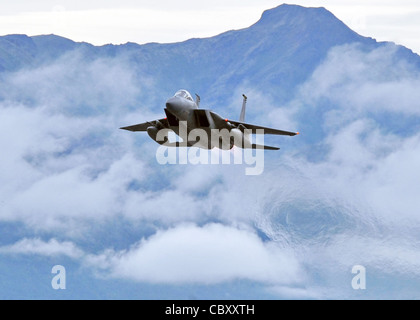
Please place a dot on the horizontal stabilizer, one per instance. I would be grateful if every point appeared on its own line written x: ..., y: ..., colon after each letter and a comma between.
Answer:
x: 261, y: 147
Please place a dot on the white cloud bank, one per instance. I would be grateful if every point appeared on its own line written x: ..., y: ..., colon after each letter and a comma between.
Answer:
x: 210, y: 254
x: 359, y: 81
x: 39, y: 247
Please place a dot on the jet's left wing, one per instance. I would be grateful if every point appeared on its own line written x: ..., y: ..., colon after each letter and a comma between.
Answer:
x: 243, y: 125
x: 145, y: 125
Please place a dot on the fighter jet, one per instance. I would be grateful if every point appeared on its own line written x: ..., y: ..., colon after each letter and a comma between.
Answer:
x: 185, y: 118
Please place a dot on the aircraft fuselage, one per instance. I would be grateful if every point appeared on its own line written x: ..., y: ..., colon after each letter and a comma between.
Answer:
x: 203, y: 128
x: 184, y: 115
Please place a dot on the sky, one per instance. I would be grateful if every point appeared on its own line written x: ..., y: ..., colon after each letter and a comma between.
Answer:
x: 76, y: 191
x: 103, y: 22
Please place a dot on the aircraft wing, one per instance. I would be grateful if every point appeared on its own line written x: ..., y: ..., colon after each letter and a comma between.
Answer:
x: 145, y: 125
x: 262, y: 147
x: 266, y: 130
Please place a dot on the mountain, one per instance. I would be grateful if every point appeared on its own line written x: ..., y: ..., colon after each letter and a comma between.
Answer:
x: 78, y: 192
x: 280, y: 50
x: 275, y: 56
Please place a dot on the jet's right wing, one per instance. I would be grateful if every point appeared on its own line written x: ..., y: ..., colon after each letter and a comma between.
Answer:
x: 266, y: 130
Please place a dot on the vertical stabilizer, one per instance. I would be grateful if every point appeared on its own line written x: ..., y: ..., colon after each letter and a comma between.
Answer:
x: 242, y: 116
x: 197, y: 100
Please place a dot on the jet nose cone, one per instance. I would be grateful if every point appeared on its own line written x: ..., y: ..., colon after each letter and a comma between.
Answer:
x: 173, y: 105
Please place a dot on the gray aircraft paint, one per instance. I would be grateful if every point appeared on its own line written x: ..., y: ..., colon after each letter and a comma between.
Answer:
x: 184, y: 115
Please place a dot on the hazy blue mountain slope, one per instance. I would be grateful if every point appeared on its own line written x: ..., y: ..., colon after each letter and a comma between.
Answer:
x: 279, y: 51
x: 16, y: 51
x: 276, y: 54
x: 274, y: 57
x: 51, y: 47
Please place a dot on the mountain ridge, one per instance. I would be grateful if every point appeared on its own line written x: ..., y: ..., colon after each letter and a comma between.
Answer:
x: 281, y: 50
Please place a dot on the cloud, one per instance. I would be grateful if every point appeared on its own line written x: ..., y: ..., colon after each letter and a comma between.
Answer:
x: 363, y: 98
x: 381, y: 255
x: 73, y: 195
x: 295, y: 292
x: 77, y: 84
x: 357, y: 83
x: 210, y: 254
x: 64, y: 157
x: 354, y: 202
x: 39, y: 247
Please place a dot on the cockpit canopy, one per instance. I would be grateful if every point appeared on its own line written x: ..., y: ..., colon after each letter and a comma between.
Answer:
x: 184, y: 94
